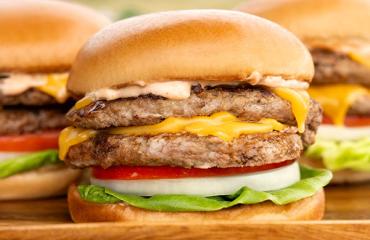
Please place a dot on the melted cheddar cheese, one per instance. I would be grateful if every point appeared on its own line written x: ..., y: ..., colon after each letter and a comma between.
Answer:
x: 362, y: 58
x: 300, y: 102
x: 336, y: 99
x: 71, y: 136
x: 223, y: 125
x: 82, y: 103
x: 55, y: 86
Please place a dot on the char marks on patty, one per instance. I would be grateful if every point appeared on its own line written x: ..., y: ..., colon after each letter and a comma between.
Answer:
x: 185, y: 150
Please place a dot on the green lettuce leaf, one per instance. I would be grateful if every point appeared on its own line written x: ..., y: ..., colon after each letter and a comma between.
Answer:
x: 27, y: 162
x: 339, y: 155
x: 311, y: 181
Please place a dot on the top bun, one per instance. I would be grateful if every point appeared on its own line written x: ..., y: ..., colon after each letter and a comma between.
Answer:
x: 319, y: 23
x: 212, y: 45
x: 43, y: 36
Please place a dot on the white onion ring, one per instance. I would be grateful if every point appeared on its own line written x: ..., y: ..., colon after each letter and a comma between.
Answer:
x: 332, y: 132
x: 207, y: 186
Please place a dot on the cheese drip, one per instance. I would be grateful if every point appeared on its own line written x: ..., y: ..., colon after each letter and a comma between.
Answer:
x: 51, y: 84
x: 336, y: 99
x: 223, y: 125
x: 82, y: 103
x: 55, y: 86
x: 362, y: 57
x: 71, y: 136
x: 300, y: 102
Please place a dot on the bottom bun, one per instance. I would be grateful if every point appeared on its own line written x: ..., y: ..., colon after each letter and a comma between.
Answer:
x: 43, y: 182
x: 311, y: 208
x: 339, y: 177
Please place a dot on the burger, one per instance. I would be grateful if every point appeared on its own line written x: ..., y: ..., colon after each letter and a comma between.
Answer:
x: 193, y: 115
x: 38, y: 42
x: 337, y: 34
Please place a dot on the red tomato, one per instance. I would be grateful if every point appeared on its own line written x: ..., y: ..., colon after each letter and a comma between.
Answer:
x: 132, y: 173
x: 29, y: 142
x: 351, y: 121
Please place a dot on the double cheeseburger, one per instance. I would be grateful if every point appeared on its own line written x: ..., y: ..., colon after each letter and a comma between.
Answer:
x: 337, y: 33
x: 38, y: 42
x: 193, y: 115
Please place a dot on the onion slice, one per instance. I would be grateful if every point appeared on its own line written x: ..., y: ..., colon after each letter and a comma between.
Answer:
x: 268, y: 180
x: 332, y: 132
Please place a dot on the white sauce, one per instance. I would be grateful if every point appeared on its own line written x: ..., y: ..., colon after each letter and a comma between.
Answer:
x: 332, y: 132
x: 181, y: 89
x: 18, y: 83
x: 207, y: 186
x: 276, y: 81
x: 171, y: 90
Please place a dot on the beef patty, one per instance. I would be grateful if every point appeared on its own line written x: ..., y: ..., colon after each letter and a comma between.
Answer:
x: 247, y: 103
x: 31, y: 97
x: 26, y: 120
x: 332, y: 67
x: 185, y: 150
x: 361, y: 106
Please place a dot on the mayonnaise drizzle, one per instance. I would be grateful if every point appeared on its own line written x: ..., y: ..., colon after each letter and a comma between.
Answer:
x: 181, y: 89
x: 18, y: 83
x: 171, y: 90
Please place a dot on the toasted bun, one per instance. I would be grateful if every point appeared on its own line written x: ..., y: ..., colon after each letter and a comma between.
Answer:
x: 212, y: 45
x: 44, y: 182
x: 311, y: 208
x: 339, y: 177
x: 43, y: 36
x: 318, y: 23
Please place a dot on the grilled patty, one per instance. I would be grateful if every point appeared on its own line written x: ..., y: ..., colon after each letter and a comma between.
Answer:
x: 26, y: 120
x: 185, y: 150
x: 361, y: 106
x: 247, y: 103
x: 31, y: 97
x: 332, y: 67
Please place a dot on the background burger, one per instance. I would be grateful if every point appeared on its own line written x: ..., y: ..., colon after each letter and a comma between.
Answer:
x: 193, y: 115
x: 38, y: 42
x: 337, y: 34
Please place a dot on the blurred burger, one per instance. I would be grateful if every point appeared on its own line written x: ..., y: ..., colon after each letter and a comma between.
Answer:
x: 38, y: 42
x: 197, y: 115
x: 337, y: 34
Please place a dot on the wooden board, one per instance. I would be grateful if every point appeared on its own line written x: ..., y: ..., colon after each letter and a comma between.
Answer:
x: 347, y: 217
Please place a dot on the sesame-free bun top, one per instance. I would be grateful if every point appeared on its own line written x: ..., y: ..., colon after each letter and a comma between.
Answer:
x: 43, y: 36
x: 319, y: 23
x: 195, y: 45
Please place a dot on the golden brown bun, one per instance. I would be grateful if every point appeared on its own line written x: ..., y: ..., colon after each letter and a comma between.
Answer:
x: 44, y: 182
x: 339, y: 177
x: 319, y: 23
x: 44, y: 36
x: 311, y: 208
x: 214, y: 45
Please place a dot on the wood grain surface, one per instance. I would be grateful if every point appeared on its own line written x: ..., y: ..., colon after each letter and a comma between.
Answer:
x: 347, y: 217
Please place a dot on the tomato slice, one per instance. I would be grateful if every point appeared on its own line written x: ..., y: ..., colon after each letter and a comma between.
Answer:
x: 135, y: 173
x: 351, y: 121
x: 29, y: 142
